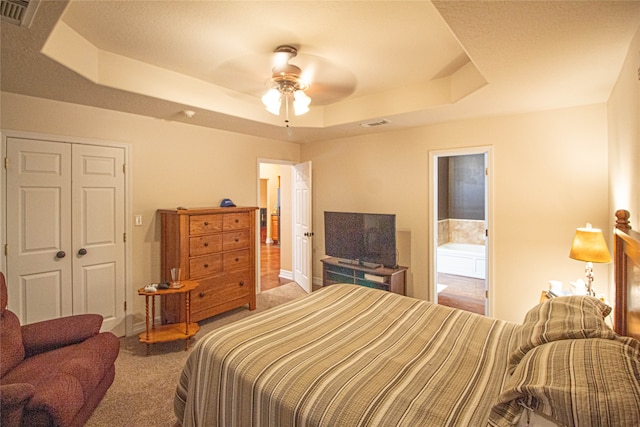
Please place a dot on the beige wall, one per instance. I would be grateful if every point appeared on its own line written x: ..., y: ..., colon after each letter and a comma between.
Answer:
x: 172, y: 164
x: 549, y: 177
x: 623, y: 112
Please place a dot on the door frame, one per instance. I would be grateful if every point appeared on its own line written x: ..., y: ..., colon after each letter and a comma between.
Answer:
x: 433, y: 218
x: 291, y: 164
x: 258, y: 255
x: 128, y: 185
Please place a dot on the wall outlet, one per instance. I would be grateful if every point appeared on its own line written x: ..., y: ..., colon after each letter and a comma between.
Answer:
x: 138, y: 219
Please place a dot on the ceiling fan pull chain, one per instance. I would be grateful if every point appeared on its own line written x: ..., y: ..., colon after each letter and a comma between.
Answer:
x: 286, y: 109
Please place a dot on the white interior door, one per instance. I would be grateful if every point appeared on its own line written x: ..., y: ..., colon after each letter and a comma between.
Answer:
x: 302, y: 233
x: 98, y: 236
x: 39, y: 276
x: 65, y: 221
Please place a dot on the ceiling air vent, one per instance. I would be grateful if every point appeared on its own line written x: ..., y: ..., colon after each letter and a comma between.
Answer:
x: 18, y: 12
x: 374, y: 124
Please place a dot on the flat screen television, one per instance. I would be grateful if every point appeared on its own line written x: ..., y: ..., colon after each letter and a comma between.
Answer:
x: 364, y: 238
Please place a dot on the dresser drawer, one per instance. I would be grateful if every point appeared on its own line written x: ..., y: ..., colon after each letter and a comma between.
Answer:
x: 204, y: 266
x: 236, y: 260
x: 235, y: 221
x: 206, y: 244
x: 203, y: 224
x: 235, y: 240
x: 219, y: 289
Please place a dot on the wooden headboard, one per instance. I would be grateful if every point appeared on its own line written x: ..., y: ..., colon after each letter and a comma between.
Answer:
x: 626, y: 254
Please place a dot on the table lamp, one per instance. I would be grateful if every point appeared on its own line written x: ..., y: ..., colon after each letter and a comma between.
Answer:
x: 589, y: 246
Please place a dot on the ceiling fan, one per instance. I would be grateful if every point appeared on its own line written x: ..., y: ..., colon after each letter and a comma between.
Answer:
x: 327, y: 81
x: 287, y: 85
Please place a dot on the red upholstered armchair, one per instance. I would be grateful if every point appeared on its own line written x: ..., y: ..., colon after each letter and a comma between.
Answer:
x: 53, y: 373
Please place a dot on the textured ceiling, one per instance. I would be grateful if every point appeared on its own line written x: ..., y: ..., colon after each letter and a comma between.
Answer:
x: 412, y: 63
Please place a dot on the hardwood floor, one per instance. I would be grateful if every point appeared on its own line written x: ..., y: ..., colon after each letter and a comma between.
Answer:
x: 270, y: 267
x: 462, y: 292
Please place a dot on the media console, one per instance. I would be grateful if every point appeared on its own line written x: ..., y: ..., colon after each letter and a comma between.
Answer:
x: 335, y: 270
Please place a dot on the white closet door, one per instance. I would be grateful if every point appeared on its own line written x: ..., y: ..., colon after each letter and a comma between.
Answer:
x: 39, y: 229
x: 98, y: 233
x: 65, y: 220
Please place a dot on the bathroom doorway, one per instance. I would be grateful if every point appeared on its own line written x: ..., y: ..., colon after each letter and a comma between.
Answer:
x: 460, y: 228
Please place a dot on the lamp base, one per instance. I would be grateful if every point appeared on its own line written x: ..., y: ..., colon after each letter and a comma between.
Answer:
x: 588, y: 272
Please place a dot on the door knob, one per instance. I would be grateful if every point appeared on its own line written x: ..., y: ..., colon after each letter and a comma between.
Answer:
x: 82, y: 251
x: 61, y: 254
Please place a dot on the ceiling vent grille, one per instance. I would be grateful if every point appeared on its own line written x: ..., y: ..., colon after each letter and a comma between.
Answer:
x: 374, y: 124
x: 18, y: 12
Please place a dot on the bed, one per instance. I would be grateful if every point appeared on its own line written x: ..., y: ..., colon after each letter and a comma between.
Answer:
x: 352, y: 356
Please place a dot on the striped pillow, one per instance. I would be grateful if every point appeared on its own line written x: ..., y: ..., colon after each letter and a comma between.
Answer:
x: 584, y: 382
x: 561, y: 318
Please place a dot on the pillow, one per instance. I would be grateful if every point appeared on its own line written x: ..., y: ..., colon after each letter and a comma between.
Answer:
x: 584, y: 382
x: 561, y: 318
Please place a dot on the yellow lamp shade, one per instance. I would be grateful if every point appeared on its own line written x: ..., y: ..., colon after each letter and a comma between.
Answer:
x: 589, y: 246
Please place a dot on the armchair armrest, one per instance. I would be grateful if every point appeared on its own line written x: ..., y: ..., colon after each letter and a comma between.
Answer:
x: 50, y: 334
x: 13, y: 398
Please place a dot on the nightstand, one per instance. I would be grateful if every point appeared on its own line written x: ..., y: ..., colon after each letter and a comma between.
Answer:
x: 170, y: 332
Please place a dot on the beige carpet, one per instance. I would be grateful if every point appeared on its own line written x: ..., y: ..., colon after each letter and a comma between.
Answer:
x: 142, y: 392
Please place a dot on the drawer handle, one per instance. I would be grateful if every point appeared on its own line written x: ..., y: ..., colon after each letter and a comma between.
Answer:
x: 206, y: 245
x: 206, y: 223
x: 237, y: 240
x: 237, y: 259
x: 237, y: 220
x: 242, y: 283
x: 201, y: 294
x: 206, y: 266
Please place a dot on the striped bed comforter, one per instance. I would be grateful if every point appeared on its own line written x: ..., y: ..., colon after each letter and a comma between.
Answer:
x: 347, y: 356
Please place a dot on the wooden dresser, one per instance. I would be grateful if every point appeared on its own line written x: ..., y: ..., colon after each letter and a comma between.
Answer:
x: 216, y: 247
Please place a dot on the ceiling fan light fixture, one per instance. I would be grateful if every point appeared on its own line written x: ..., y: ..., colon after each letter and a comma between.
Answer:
x: 300, y: 102
x: 271, y: 100
x: 286, y: 84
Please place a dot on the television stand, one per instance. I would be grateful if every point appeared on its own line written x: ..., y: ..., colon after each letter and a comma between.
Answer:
x: 335, y: 270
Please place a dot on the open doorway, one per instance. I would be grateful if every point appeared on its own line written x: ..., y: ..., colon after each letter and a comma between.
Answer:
x: 275, y: 219
x: 287, y: 223
x: 460, y: 224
